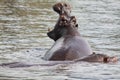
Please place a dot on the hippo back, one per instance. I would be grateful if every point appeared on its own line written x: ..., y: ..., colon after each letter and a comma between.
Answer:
x: 69, y: 48
x: 77, y: 48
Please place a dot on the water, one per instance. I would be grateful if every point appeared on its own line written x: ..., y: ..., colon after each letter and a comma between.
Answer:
x: 23, y: 28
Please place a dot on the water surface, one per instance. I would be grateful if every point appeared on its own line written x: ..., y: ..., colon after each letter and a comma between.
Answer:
x: 23, y: 28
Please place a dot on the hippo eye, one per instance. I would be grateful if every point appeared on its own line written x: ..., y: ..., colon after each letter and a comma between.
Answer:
x: 76, y: 25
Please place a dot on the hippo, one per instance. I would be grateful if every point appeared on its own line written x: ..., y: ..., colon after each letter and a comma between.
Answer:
x: 71, y: 45
x: 103, y: 58
x: 99, y: 58
x: 61, y: 9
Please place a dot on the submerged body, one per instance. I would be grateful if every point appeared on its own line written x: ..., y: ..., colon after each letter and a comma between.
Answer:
x: 99, y: 58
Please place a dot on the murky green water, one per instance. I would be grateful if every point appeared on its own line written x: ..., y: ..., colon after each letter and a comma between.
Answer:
x: 23, y: 28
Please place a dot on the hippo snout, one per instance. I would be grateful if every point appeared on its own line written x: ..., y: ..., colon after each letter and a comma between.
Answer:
x: 51, y: 35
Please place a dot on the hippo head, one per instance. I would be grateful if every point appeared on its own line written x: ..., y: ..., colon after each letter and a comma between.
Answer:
x: 62, y: 8
x: 61, y: 28
x: 110, y: 59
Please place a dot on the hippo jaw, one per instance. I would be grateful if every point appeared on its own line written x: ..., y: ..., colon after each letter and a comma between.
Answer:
x: 62, y: 8
x: 56, y: 33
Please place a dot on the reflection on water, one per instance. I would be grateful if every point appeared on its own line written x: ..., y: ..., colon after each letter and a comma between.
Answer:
x: 23, y: 28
